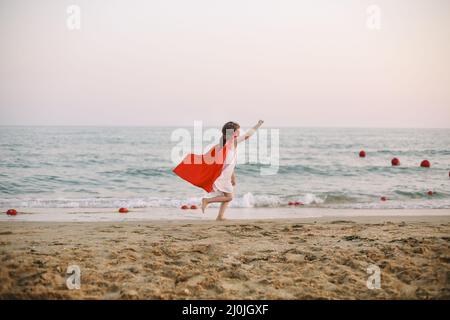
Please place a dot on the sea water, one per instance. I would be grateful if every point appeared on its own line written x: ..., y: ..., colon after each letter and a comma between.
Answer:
x: 111, y: 167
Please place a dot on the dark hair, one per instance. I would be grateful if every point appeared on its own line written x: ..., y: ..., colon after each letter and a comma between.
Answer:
x: 227, y: 129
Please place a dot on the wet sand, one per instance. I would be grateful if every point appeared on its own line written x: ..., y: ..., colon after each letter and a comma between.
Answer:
x: 237, y: 259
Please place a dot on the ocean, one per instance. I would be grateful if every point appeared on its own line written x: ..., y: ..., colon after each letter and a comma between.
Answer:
x: 111, y: 167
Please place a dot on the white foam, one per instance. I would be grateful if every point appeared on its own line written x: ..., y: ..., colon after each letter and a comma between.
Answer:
x: 310, y: 198
x: 247, y: 200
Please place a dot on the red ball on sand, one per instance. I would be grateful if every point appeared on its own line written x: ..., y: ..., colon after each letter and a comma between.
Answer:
x: 362, y: 154
x: 291, y: 203
x: 11, y: 212
x: 383, y: 198
x: 395, y: 162
x: 123, y: 210
x: 430, y: 193
x: 425, y: 164
x: 184, y: 207
x: 194, y: 207
x: 298, y: 203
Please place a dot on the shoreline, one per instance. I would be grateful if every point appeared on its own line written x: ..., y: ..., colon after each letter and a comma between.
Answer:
x: 302, y: 258
x: 175, y: 214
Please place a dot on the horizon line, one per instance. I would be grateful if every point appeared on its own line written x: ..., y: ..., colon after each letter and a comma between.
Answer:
x: 209, y: 126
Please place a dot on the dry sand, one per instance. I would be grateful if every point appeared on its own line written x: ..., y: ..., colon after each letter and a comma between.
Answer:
x: 267, y: 259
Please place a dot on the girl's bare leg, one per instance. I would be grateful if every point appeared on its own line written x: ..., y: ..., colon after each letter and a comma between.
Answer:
x: 227, y: 197
x: 223, y: 206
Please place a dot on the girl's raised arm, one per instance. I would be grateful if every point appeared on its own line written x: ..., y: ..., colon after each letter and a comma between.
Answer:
x: 250, y: 132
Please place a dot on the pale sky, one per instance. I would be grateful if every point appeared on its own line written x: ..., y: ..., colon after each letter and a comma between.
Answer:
x: 170, y: 62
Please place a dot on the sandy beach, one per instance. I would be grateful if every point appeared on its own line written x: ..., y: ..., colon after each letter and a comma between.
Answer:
x: 236, y: 259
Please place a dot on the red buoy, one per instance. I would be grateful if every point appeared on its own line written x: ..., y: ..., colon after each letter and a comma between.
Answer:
x: 194, y: 207
x: 383, y: 198
x: 291, y: 203
x: 430, y: 193
x: 184, y: 207
x: 123, y: 210
x: 11, y: 212
x: 362, y: 154
x: 425, y: 164
x: 395, y: 162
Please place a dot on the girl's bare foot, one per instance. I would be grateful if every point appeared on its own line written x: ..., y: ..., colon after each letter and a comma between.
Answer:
x: 220, y: 219
x: 204, y: 204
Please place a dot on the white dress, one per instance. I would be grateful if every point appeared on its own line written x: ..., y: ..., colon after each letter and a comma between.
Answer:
x: 223, y: 182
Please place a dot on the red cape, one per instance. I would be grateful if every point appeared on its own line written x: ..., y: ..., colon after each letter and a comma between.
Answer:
x: 202, y: 170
